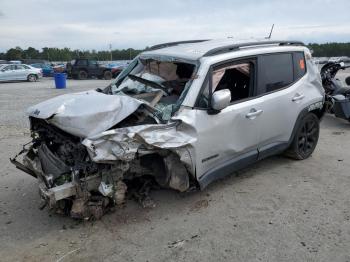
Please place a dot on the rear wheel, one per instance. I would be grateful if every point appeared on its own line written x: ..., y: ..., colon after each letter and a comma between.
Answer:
x: 83, y: 75
x: 32, y: 78
x: 107, y: 75
x: 305, y: 139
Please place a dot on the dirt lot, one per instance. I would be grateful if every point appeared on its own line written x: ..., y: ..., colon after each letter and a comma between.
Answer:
x: 276, y: 210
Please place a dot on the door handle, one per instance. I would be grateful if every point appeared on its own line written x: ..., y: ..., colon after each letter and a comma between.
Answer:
x: 253, y: 113
x: 297, y: 97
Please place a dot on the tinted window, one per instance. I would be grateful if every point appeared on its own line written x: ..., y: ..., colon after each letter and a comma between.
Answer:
x: 82, y: 62
x: 299, y: 65
x: 238, y: 77
x: 19, y: 67
x: 93, y: 63
x: 275, y: 72
x: 235, y: 78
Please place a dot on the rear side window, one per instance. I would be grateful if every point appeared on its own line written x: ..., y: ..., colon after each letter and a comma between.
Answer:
x: 275, y: 71
x: 299, y: 65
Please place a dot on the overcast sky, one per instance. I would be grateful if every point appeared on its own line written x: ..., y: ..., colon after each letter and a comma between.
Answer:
x: 91, y: 24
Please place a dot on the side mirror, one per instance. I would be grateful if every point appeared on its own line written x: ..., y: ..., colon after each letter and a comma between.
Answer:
x: 220, y: 99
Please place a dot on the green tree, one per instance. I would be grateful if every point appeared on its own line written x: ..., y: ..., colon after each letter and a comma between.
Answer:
x: 14, y: 53
x: 31, y: 52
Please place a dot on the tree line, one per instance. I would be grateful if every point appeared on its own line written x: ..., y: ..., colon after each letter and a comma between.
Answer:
x: 330, y: 49
x: 66, y: 54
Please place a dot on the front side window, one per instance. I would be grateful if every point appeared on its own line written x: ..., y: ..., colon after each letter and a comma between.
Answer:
x: 237, y: 77
x: 275, y: 71
x: 82, y: 63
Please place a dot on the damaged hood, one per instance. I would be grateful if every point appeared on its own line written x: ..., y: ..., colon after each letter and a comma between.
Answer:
x: 87, y: 113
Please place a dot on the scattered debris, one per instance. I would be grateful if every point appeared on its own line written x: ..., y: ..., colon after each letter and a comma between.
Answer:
x: 200, y: 204
x: 337, y: 133
x: 180, y: 243
x: 176, y: 244
x: 69, y: 253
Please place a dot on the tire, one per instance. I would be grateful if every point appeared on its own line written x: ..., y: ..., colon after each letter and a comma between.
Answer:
x: 32, y: 78
x: 347, y: 80
x: 107, y: 75
x: 83, y: 75
x: 305, y: 138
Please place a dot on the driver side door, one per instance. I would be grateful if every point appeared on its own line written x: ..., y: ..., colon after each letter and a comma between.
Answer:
x: 8, y: 73
x: 228, y: 140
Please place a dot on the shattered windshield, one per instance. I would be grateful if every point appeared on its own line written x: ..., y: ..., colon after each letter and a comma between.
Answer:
x: 160, y: 83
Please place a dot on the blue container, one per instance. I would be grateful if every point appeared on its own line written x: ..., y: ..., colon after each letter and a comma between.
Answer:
x: 60, y: 80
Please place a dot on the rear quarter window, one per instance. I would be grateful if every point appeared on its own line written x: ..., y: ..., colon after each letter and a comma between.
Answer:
x: 275, y: 71
x: 299, y: 65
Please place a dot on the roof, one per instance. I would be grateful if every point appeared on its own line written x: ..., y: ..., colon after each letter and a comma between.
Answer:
x: 194, y: 50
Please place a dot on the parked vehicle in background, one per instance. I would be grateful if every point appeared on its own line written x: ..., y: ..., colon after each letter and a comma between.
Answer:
x: 85, y: 68
x: 180, y: 115
x: 337, y: 96
x: 17, y: 62
x: 59, y: 68
x: 117, y: 70
x: 46, y: 68
x: 321, y: 60
x: 29, y: 61
x: 17, y: 72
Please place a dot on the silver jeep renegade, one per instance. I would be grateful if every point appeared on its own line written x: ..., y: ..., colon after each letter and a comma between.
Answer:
x: 180, y: 116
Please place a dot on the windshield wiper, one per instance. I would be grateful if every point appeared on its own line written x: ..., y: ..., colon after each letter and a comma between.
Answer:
x: 148, y: 82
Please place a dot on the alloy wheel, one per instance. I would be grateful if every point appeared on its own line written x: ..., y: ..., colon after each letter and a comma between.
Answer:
x: 308, y: 137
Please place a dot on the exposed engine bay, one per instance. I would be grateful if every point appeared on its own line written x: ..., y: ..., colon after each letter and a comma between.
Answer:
x: 89, y: 149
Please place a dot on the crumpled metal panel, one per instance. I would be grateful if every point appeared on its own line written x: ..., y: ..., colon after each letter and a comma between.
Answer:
x: 123, y: 143
x: 85, y: 114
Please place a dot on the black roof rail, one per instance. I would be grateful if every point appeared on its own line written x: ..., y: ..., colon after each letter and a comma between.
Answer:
x: 234, y: 47
x: 160, y: 46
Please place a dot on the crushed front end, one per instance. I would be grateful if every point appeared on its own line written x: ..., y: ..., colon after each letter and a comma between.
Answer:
x: 71, y: 182
x: 68, y: 180
x: 89, y: 148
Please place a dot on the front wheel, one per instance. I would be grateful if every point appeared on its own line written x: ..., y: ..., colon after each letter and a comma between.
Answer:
x: 305, y: 138
x: 82, y: 75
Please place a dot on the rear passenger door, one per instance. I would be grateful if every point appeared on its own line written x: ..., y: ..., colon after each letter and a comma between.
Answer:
x: 282, y: 91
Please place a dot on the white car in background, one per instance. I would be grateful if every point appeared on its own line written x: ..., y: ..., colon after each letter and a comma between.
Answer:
x: 12, y: 72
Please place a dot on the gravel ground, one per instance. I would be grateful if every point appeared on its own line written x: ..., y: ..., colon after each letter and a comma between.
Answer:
x: 276, y: 210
